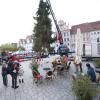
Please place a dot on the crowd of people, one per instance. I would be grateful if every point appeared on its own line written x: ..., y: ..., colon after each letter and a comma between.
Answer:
x: 77, y: 61
x: 13, y: 68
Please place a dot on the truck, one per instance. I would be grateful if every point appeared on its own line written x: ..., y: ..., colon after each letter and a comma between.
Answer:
x: 87, y: 51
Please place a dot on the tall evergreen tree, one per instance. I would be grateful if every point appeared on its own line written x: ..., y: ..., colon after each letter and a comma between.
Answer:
x: 42, y: 30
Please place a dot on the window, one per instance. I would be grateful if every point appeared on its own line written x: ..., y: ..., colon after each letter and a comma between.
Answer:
x: 94, y: 32
x: 98, y: 39
x: 98, y: 46
x: 67, y: 39
x: 67, y: 34
x: 84, y: 39
x: 98, y: 32
x: 30, y: 40
x: 73, y: 45
x: 64, y: 34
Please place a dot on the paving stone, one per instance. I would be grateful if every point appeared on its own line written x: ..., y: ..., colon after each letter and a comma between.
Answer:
x: 59, y: 89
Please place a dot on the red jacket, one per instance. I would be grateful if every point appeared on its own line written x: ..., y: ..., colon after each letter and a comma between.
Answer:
x: 14, y: 58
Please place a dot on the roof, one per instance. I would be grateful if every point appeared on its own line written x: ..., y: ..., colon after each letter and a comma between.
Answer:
x: 22, y: 40
x: 86, y: 27
x: 29, y: 37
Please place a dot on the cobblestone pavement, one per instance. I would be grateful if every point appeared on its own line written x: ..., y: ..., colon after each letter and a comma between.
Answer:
x: 58, y: 89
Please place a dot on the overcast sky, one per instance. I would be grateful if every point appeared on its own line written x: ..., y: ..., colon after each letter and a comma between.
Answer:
x: 16, y: 16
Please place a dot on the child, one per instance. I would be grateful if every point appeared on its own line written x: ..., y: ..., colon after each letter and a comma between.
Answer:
x: 20, y: 74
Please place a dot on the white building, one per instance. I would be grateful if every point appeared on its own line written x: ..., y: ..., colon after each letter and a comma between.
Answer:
x: 22, y: 43
x: 90, y: 36
x: 65, y: 31
x: 29, y: 43
x: 26, y: 43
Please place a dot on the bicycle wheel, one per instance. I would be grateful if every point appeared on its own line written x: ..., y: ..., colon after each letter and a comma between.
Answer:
x: 5, y: 80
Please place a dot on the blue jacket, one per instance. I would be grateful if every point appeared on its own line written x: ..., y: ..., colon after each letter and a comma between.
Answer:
x: 92, y: 74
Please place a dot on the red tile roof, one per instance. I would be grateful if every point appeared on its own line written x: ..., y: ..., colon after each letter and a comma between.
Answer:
x: 86, y: 27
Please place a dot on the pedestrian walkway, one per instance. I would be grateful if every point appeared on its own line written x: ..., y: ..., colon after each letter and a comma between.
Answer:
x: 58, y: 89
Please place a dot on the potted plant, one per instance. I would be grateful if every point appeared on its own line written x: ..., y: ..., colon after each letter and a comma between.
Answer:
x: 34, y: 65
x: 83, y: 88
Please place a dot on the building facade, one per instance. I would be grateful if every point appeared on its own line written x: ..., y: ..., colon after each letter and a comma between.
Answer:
x: 29, y: 43
x: 90, y: 37
x: 14, y: 44
x: 26, y: 43
x: 65, y: 31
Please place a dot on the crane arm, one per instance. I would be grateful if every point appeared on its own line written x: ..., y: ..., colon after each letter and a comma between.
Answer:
x: 55, y: 21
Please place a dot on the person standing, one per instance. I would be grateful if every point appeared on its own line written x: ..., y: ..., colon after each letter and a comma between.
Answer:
x: 4, y: 73
x: 10, y: 67
x: 78, y: 64
x: 91, y: 73
x: 21, y: 74
x: 14, y: 75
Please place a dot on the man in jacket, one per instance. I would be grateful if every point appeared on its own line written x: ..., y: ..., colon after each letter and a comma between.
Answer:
x: 14, y: 75
x: 91, y: 73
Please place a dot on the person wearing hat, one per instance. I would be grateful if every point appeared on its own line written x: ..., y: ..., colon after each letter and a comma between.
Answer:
x: 91, y: 72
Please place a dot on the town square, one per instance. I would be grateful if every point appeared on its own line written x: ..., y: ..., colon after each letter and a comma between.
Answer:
x: 49, y: 50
